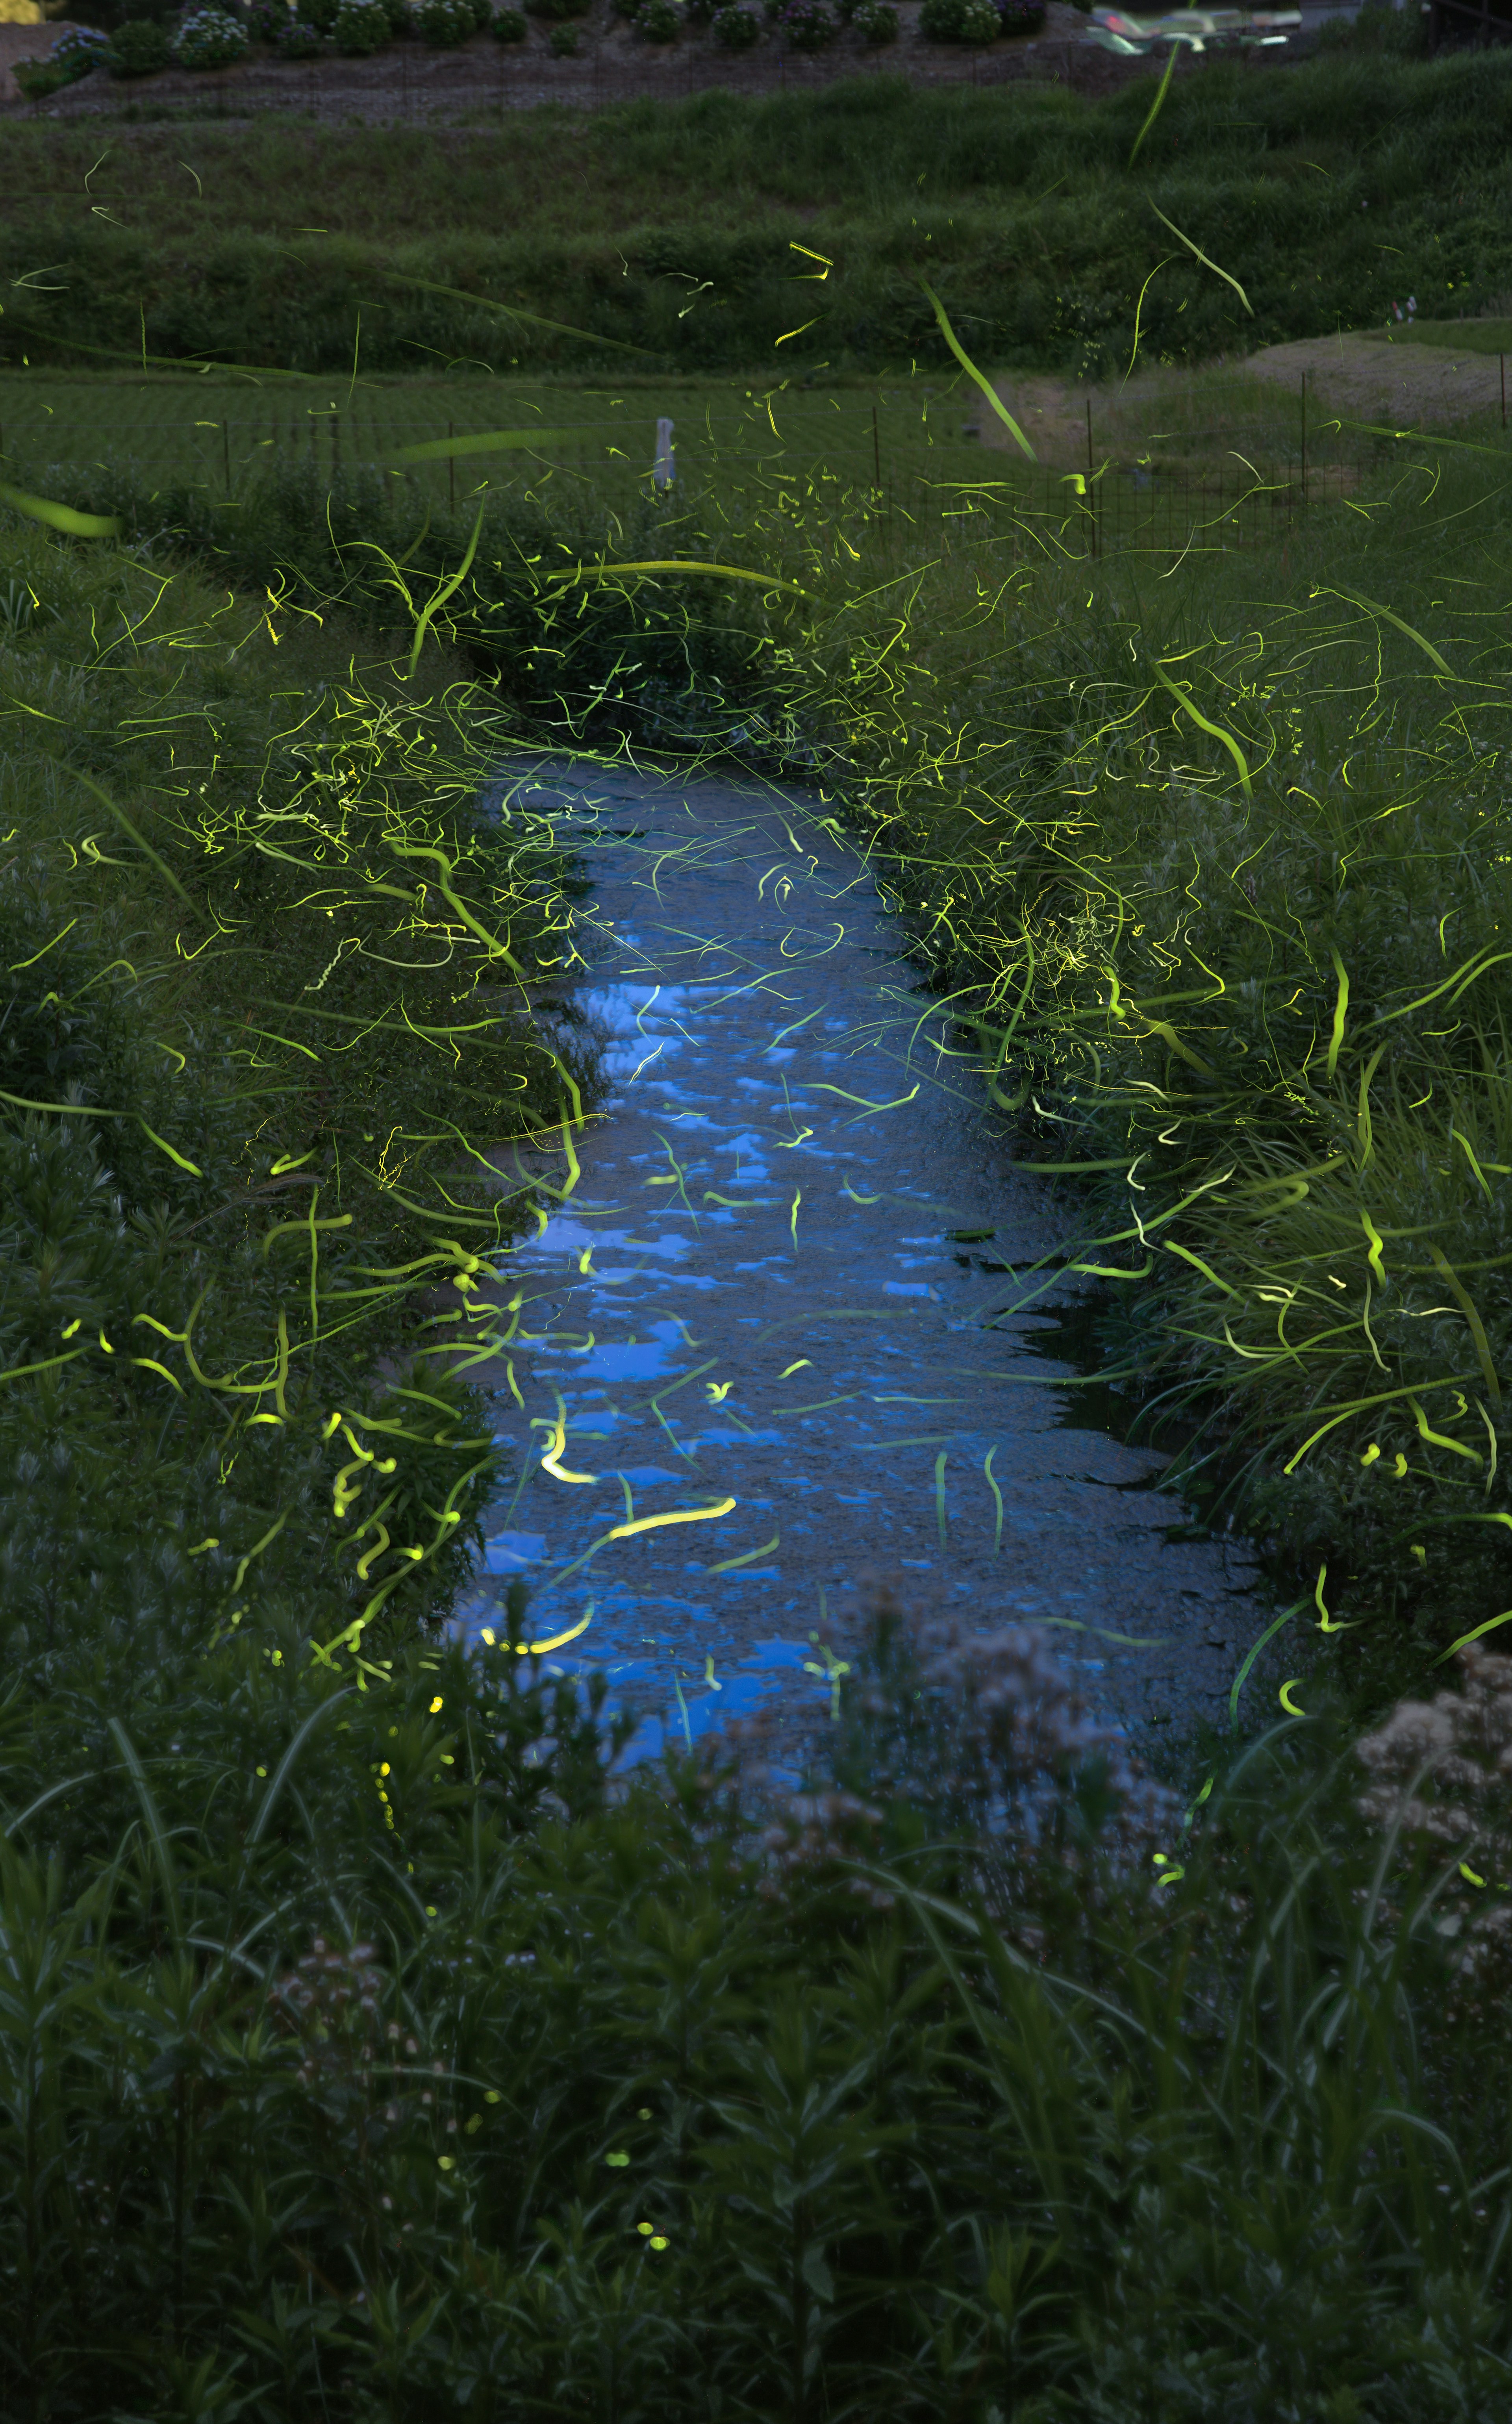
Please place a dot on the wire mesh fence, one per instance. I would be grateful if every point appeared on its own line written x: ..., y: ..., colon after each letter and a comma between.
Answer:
x: 910, y: 466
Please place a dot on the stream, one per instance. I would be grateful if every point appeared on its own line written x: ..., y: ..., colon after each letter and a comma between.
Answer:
x: 771, y: 1342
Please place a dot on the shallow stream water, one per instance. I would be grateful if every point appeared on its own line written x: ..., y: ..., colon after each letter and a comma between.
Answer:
x: 777, y: 1313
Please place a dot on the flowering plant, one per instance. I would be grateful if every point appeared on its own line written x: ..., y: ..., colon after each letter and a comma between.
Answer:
x: 443, y: 22
x: 809, y: 25
x: 82, y: 49
x: 210, y: 39
x: 735, y: 29
x: 362, y: 27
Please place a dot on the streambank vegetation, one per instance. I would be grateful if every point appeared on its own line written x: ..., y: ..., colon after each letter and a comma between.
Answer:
x: 368, y: 2045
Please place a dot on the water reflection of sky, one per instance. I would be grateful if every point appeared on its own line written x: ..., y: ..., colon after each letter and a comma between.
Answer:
x: 749, y: 1358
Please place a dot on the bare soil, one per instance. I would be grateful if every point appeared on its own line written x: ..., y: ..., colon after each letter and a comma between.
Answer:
x: 1351, y: 378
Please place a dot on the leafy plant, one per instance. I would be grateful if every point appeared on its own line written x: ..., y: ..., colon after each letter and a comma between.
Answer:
x: 959, y: 20
x: 209, y: 37
x: 809, y: 25
x: 443, y: 23
x: 875, y: 20
x: 509, y: 25
x: 562, y: 41
x: 362, y: 27
x: 736, y: 29
x: 659, y: 21
x: 139, y: 47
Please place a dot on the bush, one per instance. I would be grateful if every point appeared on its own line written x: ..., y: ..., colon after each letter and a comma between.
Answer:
x: 362, y: 27
x: 1021, y: 16
x: 297, y: 40
x: 267, y: 20
x: 876, y: 21
x: 809, y: 25
x: 562, y: 43
x: 81, y: 49
x: 210, y: 39
x: 38, y: 78
x: 659, y: 21
x: 959, y: 21
x: 322, y: 14
x: 139, y: 48
x: 735, y: 29
x: 509, y: 25
x: 553, y: 12
x: 443, y: 23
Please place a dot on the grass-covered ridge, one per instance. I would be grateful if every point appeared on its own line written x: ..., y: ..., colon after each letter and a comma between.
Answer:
x: 1325, y: 188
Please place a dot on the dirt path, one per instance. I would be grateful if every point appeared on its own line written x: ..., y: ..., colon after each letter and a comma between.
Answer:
x: 1351, y: 377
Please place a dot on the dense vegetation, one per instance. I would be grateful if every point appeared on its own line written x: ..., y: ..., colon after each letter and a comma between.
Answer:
x: 370, y: 2048
x: 1325, y: 188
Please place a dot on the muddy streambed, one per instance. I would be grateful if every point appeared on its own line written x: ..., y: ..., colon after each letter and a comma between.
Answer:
x: 771, y: 1342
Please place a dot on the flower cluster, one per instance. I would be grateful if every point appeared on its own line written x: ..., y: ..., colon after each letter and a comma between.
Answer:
x: 815, y: 1833
x: 330, y: 2000
x: 82, y: 48
x: 736, y: 29
x: 1443, y: 1772
x: 210, y: 39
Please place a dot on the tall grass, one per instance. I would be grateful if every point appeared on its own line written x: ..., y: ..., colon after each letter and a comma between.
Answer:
x: 367, y: 2045
x: 1326, y: 190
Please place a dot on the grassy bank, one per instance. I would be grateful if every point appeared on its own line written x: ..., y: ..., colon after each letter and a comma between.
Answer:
x: 1208, y: 847
x: 250, y: 914
x: 1326, y: 190
x: 365, y: 2048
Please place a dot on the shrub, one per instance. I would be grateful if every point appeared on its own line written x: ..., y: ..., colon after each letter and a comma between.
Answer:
x: 876, y: 21
x: 508, y: 25
x: 297, y: 40
x: 735, y: 29
x: 38, y: 78
x: 1021, y: 16
x: 322, y: 14
x: 362, y: 27
x: 809, y: 25
x: 659, y: 21
x: 562, y: 41
x: 959, y: 21
x: 443, y: 23
x: 554, y: 12
x: 266, y: 20
x: 210, y: 39
x: 139, y: 48
x: 81, y: 49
